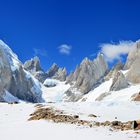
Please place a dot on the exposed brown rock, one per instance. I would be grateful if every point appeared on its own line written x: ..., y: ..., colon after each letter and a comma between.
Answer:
x: 136, y: 97
x: 58, y: 116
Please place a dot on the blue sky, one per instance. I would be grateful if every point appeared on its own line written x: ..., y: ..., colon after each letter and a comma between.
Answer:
x: 66, y: 31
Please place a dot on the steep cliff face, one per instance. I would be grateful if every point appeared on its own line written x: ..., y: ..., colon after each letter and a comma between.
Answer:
x: 119, y: 82
x: 87, y: 75
x: 14, y: 79
x: 133, y: 64
x: 116, y: 68
x: 133, y: 55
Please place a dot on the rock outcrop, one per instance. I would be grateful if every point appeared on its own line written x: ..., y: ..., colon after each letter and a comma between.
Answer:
x: 86, y: 75
x: 34, y: 67
x: 60, y: 74
x: 14, y: 79
x: 136, y: 97
x: 133, y: 64
x: 133, y: 55
x: 119, y: 66
x: 119, y: 82
x: 54, y: 72
x: 133, y: 75
x: 57, y: 73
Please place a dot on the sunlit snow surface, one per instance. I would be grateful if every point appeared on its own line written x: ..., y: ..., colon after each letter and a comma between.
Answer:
x: 14, y: 124
x: 56, y: 93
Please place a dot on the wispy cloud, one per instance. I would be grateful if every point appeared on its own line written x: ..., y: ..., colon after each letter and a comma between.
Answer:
x: 65, y: 49
x: 114, y: 51
x: 41, y: 52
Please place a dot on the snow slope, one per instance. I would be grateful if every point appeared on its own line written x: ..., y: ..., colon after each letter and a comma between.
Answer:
x: 94, y: 94
x: 124, y: 111
x: 124, y: 94
x: 14, y: 126
x: 54, y: 94
x: 113, y: 96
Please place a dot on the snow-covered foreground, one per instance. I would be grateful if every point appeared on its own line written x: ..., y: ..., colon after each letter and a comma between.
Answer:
x: 14, y: 124
x: 105, y: 111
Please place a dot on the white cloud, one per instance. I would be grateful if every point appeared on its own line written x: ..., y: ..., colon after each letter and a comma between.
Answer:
x: 41, y: 52
x: 65, y: 49
x: 114, y: 51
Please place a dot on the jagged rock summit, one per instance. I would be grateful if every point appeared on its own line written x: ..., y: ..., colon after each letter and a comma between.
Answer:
x: 87, y: 75
x: 119, y: 82
x: 34, y: 67
x: 116, y: 68
x: 23, y: 82
x: 56, y: 72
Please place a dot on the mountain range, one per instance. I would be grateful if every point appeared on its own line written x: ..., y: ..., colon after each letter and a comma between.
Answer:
x: 92, y: 80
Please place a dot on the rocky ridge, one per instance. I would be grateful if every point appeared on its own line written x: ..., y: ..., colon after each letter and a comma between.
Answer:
x: 86, y: 76
x: 22, y: 81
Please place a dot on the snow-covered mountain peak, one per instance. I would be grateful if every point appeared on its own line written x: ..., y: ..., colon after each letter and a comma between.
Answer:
x: 15, y: 80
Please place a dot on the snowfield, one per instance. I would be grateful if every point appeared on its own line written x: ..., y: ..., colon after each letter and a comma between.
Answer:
x: 56, y: 93
x: 112, y: 96
x: 14, y: 124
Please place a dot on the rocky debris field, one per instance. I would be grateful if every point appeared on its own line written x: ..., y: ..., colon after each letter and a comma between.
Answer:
x: 59, y: 116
